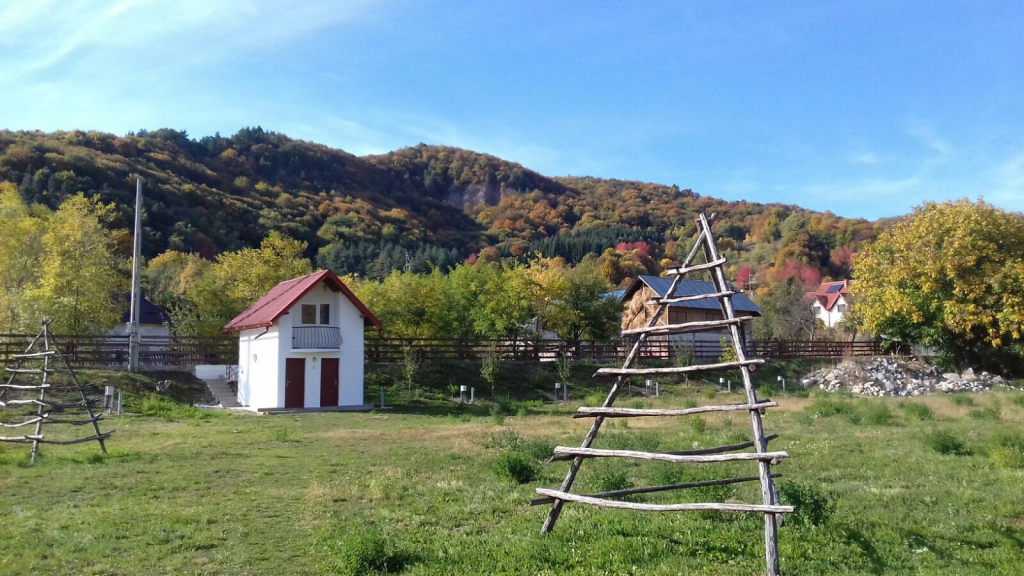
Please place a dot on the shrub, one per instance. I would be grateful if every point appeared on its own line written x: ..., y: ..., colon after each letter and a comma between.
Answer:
x: 698, y: 424
x: 708, y: 392
x: 516, y: 466
x: 961, y: 399
x: 169, y: 410
x: 595, y: 400
x: 918, y: 411
x: 496, y: 416
x: 365, y: 552
x: 1018, y: 399
x: 537, y: 449
x: 648, y: 442
x: 1006, y: 458
x: 522, y: 411
x: 765, y: 391
x: 945, y: 442
x: 812, y: 505
x: 637, y: 404
x: 826, y: 407
x: 804, y: 418
x: 505, y: 404
x: 1012, y: 440
x: 799, y: 392
x: 993, y: 412
x: 504, y: 439
x: 877, y: 414
x: 608, y: 480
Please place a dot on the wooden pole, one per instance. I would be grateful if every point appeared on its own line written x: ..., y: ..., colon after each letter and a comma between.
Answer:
x: 764, y: 468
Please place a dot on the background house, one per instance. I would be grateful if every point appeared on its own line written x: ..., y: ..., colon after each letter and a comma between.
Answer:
x: 830, y: 302
x: 301, y: 346
x: 154, y: 321
x: 637, y: 310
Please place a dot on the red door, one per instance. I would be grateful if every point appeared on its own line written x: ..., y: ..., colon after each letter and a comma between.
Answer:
x: 295, y: 383
x: 329, y: 382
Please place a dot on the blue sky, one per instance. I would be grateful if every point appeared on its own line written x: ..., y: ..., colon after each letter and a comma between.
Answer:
x: 863, y: 108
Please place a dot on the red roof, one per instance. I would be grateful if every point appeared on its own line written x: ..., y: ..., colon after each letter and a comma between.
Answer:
x: 275, y: 303
x: 829, y: 292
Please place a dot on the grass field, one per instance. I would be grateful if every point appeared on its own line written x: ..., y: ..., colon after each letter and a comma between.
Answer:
x: 924, y: 486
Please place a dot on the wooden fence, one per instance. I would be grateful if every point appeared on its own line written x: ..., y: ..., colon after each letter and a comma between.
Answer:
x: 601, y: 351
x: 105, y: 350
x: 112, y: 351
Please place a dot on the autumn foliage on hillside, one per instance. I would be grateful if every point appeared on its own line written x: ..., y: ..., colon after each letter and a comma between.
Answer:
x: 415, y: 209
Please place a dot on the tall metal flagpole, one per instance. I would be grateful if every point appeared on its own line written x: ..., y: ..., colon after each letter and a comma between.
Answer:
x: 133, y: 319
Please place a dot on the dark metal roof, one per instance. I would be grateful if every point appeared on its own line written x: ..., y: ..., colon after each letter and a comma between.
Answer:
x: 149, y: 313
x: 660, y: 285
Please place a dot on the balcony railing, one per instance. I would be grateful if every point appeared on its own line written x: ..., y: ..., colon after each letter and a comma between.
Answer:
x: 316, y: 338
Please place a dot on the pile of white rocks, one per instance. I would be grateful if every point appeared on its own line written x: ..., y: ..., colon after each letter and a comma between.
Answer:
x: 892, y: 377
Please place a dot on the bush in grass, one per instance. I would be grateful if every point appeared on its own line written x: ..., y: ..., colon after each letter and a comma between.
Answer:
x: 804, y: 418
x: 708, y: 392
x: 637, y: 404
x: 689, y: 403
x: 365, y: 552
x: 516, y: 466
x: 608, y: 480
x: 826, y: 407
x: 812, y: 504
x: 877, y: 414
x: 945, y: 442
x: 1012, y: 440
x: 504, y: 439
x: 522, y: 411
x: 765, y: 391
x: 505, y: 404
x: 993, y: 412
x: 698, y: 424
x: 1006, y: 458
x: 643, y: 442
x: 496, y: 416
x: 170, y: 410
x: 594, y: 400
x: 961, y: 399
x: 918, y: 411
x: 799, y: 393
x: 537, y: 449
x: 1018, y: 399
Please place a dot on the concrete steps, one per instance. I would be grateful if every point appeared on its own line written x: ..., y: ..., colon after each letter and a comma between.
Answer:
x: 220, y: 390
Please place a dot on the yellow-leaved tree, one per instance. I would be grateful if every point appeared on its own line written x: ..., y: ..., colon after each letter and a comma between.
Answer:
x: 80, y: 275
x: 951, y: 276
x: 21, y: 236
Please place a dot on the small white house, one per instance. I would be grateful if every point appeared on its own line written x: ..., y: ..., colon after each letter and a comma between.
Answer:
x: 830, y: 302
x: 300, y: 347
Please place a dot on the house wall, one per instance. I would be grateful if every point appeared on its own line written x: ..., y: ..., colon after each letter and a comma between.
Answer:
x: 258, y: 366
x: 832, y: 317
x: 346, y: 317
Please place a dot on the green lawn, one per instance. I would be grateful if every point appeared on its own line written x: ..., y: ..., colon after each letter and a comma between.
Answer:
x: 420, y: 494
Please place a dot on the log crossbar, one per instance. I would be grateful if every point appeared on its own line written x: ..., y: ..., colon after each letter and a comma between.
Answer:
x: 587, y: 412
x: 693, y: 298
x: 695, y: 268
x: 695, y: 451
x: 651, y: 489
x: 665, y: 457
x: 676, y: 369
x: 770, y: 507
x: 687, y: 327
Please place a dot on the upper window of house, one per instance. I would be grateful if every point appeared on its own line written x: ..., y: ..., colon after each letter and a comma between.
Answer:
x: 325, y: 313
x: 309, y: 313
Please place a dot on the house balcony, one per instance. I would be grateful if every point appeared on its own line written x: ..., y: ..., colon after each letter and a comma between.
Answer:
x: 316, y: 338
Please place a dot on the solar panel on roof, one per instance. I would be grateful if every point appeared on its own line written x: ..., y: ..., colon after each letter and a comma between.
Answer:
x: 835, y: 288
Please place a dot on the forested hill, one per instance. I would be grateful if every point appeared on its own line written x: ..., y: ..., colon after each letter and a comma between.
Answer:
x: 435, y: 205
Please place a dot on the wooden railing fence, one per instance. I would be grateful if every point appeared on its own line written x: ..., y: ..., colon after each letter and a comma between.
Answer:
x: 106, y: 350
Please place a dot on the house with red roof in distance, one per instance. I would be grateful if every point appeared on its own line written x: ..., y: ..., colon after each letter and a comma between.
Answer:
x: 830, y: 302
x: 300, y: 347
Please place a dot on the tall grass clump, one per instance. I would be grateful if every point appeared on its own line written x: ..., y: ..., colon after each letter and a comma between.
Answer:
x: 993, y: 412
x: 961, y: 399
x: 170, y: 410
x: 813, y: 506
x: 364, y: 552
x: 876, y: 414
x: 945, y: 442
x: 917, y: 411
x: 516, y: 466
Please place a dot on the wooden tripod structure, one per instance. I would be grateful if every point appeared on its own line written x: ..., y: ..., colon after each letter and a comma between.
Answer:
x: 45, y: 400
x: 770, y: 507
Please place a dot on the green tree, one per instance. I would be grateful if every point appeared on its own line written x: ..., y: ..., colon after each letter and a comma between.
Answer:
x: 576, y: 303
x: 950, y: 276
x: 80, y: 276
x: 20, y: 250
